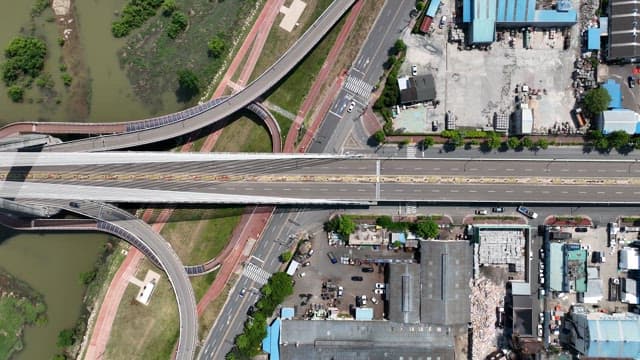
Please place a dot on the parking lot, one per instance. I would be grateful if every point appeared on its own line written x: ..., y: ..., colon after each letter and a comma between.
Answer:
x: 322, y: 270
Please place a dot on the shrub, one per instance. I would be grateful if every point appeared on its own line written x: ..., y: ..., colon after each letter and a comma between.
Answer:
x: 66, y: 79
x: 188, y: 84
x: 216, y: 46
x: 16, y: 93
x: 178, y: 23
x: 168, y: 7
x: 65, y: 338
x: 25, y: 56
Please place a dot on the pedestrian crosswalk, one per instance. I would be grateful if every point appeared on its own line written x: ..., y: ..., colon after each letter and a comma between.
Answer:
x: 256, y: 273
x: 358, y: 86
x: 412, y: 208
x: 411, y: 152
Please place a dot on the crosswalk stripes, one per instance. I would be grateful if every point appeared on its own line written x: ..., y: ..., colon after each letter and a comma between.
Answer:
x: 412, y: 208
x: 358, y: 86
x: 256, y: 273
x: 411, y: 152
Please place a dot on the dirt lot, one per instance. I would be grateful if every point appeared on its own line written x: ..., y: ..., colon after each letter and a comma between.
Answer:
x: 462, y: 75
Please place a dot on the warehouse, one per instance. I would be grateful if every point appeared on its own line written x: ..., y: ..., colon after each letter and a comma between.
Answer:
x: 623, y: 31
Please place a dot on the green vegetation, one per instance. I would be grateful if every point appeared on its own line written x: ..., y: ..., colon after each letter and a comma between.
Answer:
x: 514, y: 143
x: 20, y: 306
x: 25, y: 58
x: 179, y: 22
x: 493, y: 141
x: 39, y: 7
x: 16, y: 93
x: 419, y: 6
x: 596, y: 101
x: 286, y: 256
x: 66, y: 79
x: 341, y: 224
x: 45, y: 81
x: 66, y: 338
x: 248, y: 343
x: 427, y: 229
x: 134, y: 15
x: 619, y: 140
x: 379, y: 136
x: 87, y: 277
x: 216, y: 46
x: 168, y: 7
x: 426, y: 143
x: 188, y: 85
x: 391, y: 93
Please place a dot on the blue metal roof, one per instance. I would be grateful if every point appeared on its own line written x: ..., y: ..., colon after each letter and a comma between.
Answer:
x: 564, y: 18
x: 364, y: 314
x: 271, y: 342
x: 593, y: 39
x: 433, y: 8
x: 466, y: 11
x: 287, y: 313
x: 615, y: 337
x: 613, y: 88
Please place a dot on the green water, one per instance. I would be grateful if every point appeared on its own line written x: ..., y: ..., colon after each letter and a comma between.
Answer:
x: 50, y: 263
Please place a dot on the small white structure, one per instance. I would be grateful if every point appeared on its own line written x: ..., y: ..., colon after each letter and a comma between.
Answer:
x: 145, y: 294
x: 629, y: 258
x: 630, y: 291
x: 293, y: 267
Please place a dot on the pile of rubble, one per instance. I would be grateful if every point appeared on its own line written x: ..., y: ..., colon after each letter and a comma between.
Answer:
x: 486, y: 297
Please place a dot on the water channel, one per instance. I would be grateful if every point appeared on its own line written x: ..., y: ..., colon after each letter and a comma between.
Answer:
x: 51, y: 264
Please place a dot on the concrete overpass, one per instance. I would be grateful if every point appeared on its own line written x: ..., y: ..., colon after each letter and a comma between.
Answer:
x: 184, y: 122
x: 314, y: 179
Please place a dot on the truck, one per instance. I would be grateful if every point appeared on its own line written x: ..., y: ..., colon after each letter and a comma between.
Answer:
x: 527, y: 212
x: 332, y: 257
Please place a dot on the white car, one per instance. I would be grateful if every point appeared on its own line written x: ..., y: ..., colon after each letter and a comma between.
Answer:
x: 363, y: 299
x: 414, y: 70
x: 374, y: 300
x: 380, y: 286
x: 351, y: 106
x: 302, y: 274
x: 340, y: 291
x: 378, y: 291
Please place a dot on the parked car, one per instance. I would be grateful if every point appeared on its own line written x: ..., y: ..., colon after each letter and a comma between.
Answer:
x: 581, y: 229
x: 498, y: 209
x: 302, y: 274
x: 631, y: 82
x: 378, y: 291
x: 481, y: 212
x: 414, y: 70
x: 539, y: 330
x: 434, y: 125
x: 251, y: 310
x: 332, y: 257
x: 306, y: 264
x: 367, y: 269
x: 310, y: 253
x: 356, y: 278
x: 374, y: 300
x: 74, y: 204
x: 340, y: 291
x: 351, y: 106
x: 363, y: 299
x: 443, y: 21
x: 541, y: 318
x: 380, y: 286
x: 242, y: 292
x: 527, y: 212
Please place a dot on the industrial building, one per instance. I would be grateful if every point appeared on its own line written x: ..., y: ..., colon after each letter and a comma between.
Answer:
x: 630, y: 293
x: 600, y: 335
x: 417, y: 89
x: 567, y: 267
x: 629, y: 258
x: 623, y: 31
x: 500, y: 245
x: 483, y: 17
x: 521, y: 122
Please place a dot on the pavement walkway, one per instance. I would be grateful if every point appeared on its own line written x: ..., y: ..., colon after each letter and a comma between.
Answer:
x: 314, y: 92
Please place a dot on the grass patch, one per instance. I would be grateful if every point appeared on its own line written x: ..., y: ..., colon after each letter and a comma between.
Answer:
x: 284, y: 123
x: 298, y: 82
x: 152, y: 58
x: 279, y: 40
x: 244, y: 134
x: 496, y: 218
x: 630, y: 219
x: 200, y: 284
x: 212, y: 311
x: 197, y: 241
x: 149, y: 332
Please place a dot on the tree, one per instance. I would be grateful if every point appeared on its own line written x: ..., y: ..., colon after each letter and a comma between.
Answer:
x: 419, y: 5
x: 493, y: 141
x: 426, y: 143
x: 216, y: 46
x: 25, y: 57
x: 346, y: 226
x: 178, y: 23
x: 427, y: 229
x: 286, y: 256
x: 168, y: 7
x: 513, y: 142
x: 596, y: 101
x: 65, y: 338
x: 455, y: 138
x: 384, y: 221
x: 602, y: 144
x: 527, y: 143
x: 16, y: 93
x: 188, y: 85
x: 542, y: 144
x: 379, y: 136
x: 399, y: 46
x: 618, y: 139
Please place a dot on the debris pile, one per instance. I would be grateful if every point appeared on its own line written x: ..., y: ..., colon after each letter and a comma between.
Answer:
x: 486, y: 297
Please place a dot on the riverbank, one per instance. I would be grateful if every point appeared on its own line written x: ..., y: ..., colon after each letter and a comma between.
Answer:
x: 20, y: 306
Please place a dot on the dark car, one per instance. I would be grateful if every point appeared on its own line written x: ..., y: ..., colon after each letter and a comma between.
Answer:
x: 74, y: 204
x: 581, y: 229
x: 251, y: 311
x: 367, y: 269
x: 631, y: 81
x: 356, y: 278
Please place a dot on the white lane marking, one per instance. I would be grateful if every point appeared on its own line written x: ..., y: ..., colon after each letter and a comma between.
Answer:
x: 435, y: 190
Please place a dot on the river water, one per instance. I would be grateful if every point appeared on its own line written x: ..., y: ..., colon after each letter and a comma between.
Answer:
x: 51, y: 263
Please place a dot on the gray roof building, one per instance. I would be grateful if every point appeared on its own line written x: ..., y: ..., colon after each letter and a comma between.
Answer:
x: 522, y: 315
x: 418, y: 89
x: 403, y: 293
x: 354, y: 340
x: 624, y: 30
x: 446, y: 268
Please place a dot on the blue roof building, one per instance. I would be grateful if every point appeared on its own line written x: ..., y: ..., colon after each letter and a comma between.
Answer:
x: 270, y: 344
x: 600, y: 335
x: 593, y: 39
x: 287, y: 313
x: 484, y: 16
x: 432, y: 9
x: 364, y: 314
x: 613, y: 88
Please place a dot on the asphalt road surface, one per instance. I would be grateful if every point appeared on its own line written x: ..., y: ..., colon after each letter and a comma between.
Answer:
x: 363, y: 76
